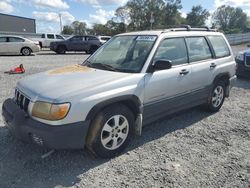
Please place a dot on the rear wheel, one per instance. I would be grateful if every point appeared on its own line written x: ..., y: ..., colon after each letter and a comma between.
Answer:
x: 61, y: 50
x: 26, y: 51
x: 217, y: 97
x: 93, y: 49
x: 110, y: 131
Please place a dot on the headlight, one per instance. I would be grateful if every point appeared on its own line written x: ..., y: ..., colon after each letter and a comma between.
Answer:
x: 50, y: 111
x: 240, y: 57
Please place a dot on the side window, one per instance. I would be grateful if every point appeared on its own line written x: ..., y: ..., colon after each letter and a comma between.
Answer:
x: 3, y: 39
x: 173, y: 49
x: 198, y: 49
x: 59, y: 37
x: 43, y: 36
x: 15, y: 39
x: 220, y: 46
x: 76, y: 38
x: 49, y: 36
x: 91, y: 38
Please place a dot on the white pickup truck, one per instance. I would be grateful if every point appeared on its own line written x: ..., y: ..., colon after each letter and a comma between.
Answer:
x: 46, y: 39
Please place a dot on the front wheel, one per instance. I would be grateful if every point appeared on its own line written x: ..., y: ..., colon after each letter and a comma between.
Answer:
x: 216, y: 97
x: 110, y: 131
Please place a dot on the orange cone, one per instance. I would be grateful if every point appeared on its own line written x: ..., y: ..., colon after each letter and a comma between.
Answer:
x: 17, y: 70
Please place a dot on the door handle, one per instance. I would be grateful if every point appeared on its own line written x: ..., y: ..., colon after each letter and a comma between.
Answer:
x: 184, y: 72
x: 213, y: 65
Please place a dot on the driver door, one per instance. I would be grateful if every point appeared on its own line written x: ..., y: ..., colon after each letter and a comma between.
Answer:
x: 168, y: 90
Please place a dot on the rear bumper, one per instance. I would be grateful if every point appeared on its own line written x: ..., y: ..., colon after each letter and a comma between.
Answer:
x: 232, y: 81
x: 70, y: 136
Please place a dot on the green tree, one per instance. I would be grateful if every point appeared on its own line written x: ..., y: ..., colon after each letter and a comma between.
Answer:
x: 67, y: 30
x: 100, y: 29
x: 230, y: 19
x: 172, y: 16
x: 79, y: 28
x: 197, y: 16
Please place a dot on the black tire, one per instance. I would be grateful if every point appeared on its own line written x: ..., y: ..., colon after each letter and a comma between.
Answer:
x: 215, y: 101
x: 102, y: 142
x: 93, y: 49
x: 88, y: 52
x: 61, y: 50
x: 26, y: 51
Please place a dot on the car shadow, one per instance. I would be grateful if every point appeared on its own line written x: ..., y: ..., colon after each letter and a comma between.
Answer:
x: 67, y: 53
x: 243, y: 82
x: 17, y: 55
x: 21, y: 164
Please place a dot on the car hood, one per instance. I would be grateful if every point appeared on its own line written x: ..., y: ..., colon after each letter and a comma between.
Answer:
x: 53, y: 84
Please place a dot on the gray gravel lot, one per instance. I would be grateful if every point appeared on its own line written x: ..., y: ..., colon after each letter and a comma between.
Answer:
x: 190, y: 149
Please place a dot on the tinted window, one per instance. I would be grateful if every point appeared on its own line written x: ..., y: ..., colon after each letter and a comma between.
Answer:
x: 220, y: 46
x: 15, y: 39
x: 59, y: 37
x: 198, y: 49
x: 3, y: 39
x: 76, y: 38
x: 105, y: 38
x: 43, y: 36
x: 92, y: 38
x: 50, y: 36
x: 174, y: 50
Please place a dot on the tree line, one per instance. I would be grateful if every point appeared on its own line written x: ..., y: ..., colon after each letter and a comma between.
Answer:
x: 161, y: 14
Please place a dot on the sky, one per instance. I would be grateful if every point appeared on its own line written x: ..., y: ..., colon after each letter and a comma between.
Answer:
x: 46, y: 12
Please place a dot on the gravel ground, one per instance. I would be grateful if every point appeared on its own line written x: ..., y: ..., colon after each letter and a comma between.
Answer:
x: 191, y: 149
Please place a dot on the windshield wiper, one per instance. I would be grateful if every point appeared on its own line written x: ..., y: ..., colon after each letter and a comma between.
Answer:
x: 102, y: 66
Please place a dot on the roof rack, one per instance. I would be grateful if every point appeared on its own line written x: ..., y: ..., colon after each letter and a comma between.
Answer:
x: 189, y: 28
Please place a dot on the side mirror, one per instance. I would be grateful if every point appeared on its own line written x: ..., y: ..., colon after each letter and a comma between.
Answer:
x: 162, y: 64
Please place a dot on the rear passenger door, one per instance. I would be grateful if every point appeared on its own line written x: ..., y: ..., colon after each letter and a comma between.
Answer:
x: 201, y: 61
x: 168, y: 90
x: 15, y: 44
x: 75, y: 43
x: 3, y: 45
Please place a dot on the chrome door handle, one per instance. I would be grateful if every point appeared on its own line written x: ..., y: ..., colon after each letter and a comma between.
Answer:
x: 184, y: 72
x: 213, y: 65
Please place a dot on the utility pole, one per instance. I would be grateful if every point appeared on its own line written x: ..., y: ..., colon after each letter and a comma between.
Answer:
x: 60, y: 17
x: 152, y: 20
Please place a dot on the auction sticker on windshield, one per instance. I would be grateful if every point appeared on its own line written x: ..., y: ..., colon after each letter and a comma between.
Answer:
x: 146, y: 38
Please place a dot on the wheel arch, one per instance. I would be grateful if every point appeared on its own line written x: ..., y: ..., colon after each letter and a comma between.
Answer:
x: 26, y: 47
x: 225, y: 77
x: 131, y: 101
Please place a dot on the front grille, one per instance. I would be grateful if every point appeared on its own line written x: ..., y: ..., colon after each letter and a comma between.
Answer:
x: 21, y: 100
x: 247, y: 61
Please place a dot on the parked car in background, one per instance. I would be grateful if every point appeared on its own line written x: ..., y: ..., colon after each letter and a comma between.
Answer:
x: 46, y: 39
x: 88, y: 43
x: 18, y: 45
x: 243, y: 63
x: 103, y: 39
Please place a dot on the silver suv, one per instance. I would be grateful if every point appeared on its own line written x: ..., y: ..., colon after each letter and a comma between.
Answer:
x: 132, y: 80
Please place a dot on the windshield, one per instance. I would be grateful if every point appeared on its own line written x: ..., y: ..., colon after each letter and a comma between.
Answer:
x: 123, y: 53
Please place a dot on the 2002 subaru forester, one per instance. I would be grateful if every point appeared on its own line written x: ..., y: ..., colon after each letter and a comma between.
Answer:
x: 132, y: 80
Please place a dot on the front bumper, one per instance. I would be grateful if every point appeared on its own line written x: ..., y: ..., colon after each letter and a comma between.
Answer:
x: 242, y: 70
x: 70, y: 136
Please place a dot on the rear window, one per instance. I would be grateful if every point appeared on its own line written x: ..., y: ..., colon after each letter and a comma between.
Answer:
x: 220, y: 46
x: 15, y: 39
x: 50, y: 36
x: 105, y: 38
x: 91, y: 38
